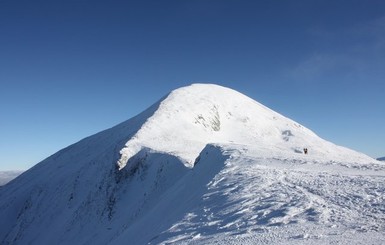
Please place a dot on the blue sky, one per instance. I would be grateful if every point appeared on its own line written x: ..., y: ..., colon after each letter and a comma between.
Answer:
x: 69, y: 69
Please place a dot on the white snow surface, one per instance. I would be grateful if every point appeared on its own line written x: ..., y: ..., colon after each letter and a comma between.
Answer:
x: 204, y: 165
x: 191, y: 117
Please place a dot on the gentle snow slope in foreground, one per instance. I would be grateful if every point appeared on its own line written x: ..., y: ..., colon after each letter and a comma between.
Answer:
x: 205, y: 165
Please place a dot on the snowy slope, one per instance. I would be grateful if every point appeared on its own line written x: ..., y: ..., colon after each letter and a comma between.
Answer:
x: 204, y: 165
x: 193, y: 116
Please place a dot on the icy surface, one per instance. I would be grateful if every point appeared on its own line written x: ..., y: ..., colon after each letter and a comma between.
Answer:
x: 204, y: 165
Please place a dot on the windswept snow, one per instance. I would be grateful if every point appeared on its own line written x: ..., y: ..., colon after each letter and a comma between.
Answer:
x: 204, y: 165
x: 258, y: 200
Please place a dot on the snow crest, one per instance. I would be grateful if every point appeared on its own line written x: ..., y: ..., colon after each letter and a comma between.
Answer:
x: 191, y: 117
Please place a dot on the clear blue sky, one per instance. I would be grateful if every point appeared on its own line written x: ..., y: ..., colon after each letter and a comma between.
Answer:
x: 69, y: 69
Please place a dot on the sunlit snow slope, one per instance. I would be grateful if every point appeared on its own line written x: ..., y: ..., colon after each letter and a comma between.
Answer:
x: 204, y: 165
x: 191, y: 117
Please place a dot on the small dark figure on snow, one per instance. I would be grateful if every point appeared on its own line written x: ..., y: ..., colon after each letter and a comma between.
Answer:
x: 305, y: 150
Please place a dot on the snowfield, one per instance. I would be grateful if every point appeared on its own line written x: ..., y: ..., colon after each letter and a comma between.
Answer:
x: 261, y: 200
x: 204, y: 165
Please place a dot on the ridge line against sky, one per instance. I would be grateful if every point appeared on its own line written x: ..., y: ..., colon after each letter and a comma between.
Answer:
x: 69, y: 69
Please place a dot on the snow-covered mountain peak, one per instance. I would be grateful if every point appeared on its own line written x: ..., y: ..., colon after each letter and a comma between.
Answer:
x: 191, y: 117
x: 250, y: 182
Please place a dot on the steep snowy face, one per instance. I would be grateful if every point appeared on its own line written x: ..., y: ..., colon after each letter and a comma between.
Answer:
x: 191, y: 117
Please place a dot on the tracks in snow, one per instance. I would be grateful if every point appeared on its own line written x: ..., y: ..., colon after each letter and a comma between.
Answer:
x: 254, y: 198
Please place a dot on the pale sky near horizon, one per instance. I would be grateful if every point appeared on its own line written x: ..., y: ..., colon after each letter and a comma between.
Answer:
x: 69, y: 69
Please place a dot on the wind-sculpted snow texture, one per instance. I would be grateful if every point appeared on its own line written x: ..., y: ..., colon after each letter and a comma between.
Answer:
x: 204, y: 165
x: 268, y: 200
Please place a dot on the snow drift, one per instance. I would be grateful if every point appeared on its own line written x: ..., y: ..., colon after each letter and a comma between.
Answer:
x: 205, y: 164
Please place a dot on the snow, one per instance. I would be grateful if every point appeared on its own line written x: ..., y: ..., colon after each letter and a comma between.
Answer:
x: 204, y: 165
x: 191, y: 117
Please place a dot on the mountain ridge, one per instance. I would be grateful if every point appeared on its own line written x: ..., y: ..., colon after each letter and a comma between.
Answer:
x: 161, y: 176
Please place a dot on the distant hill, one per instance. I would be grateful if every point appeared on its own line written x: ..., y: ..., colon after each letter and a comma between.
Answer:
x: 381, y: 159
x: 6, y: 176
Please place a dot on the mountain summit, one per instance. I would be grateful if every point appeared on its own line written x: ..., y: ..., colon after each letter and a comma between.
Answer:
x: 204, y: 165
x: 189, y: 118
